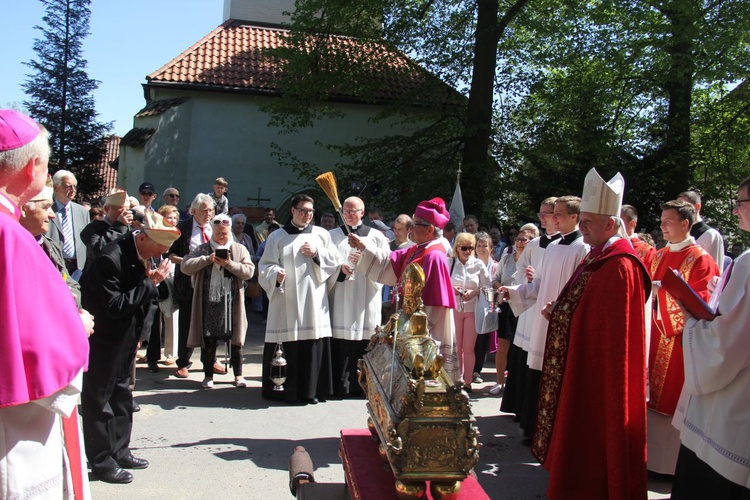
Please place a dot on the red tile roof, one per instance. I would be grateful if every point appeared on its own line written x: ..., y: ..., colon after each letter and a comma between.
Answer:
x: 232, y: 57
x: 107, y: 165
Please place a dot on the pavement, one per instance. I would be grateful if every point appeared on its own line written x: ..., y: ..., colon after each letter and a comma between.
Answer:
x: 229, y: 442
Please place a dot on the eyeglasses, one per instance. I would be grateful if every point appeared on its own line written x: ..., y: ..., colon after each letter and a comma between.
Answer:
x: 147, y: 193
x: 738, y: 203
x: 172, y: 195
x: 521, y: 240
x: 223, y: 222
x: 351, y: 212
x: 305, y: 211
x: 466, y: 249
x: 72, y: 187
x: 543, y: 214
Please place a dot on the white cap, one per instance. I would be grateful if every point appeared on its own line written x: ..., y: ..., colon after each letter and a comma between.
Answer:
x: 604, y: 198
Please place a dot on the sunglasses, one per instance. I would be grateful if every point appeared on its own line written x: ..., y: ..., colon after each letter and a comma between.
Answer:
x: 223, y: 222
x: 147, y: 193
x: 466, y: 249
x: 172, y: 195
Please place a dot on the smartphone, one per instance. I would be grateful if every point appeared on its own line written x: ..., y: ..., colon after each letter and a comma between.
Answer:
x: 222, y: 253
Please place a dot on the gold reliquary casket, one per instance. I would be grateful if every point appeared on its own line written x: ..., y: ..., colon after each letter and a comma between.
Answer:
x: 422, y: 418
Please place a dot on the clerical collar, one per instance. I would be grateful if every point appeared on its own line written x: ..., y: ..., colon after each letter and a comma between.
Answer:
x: 546, y: 239
x: 40, y: 240
x: 290, y: 228
x: 569, y: 238
x: 676, y: 247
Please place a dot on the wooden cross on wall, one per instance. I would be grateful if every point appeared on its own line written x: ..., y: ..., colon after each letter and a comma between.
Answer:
x: 258, y: 199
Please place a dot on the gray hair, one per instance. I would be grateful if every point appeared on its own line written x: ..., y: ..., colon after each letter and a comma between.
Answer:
x: 530, y: 228
x: 61, y: 175
x: 239, y: 217
x: 483, y: 236
x: 199, y: 200
x: 14, y: 160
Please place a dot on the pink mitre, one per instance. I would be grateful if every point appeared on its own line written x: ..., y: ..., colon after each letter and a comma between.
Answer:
x: 434, y: 212
x: 16, y: 129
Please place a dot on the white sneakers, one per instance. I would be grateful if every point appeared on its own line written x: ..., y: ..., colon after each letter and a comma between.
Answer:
x: 208, y: 383
x: 476, y: 378
x: 497, y: 389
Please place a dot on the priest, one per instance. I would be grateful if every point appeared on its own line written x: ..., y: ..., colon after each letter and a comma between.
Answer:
x: 356, y: 301
x: 298, y: 261
x: 43, y: 346
x: 387, y: 267
x: 591, y: 430
x: 665, y: 367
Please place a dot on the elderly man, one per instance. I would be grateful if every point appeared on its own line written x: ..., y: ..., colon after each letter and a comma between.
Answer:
x: 116, y: 222
x: 171, y: 196
x: 118, y: 289
x: 387, y: 267
x: 297, y: 263
x: 665, y: 368
x: 43, y: 350
x: 70, y: 219
x: 356, y: 301
x: 36, y: 215
x: 591, y: 430
x: 195, y: 231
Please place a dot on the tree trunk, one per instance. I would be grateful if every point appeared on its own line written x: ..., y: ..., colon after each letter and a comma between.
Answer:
x: 476, y: 163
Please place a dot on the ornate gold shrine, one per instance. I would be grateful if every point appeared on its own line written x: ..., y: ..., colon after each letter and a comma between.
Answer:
x: 421, y: 418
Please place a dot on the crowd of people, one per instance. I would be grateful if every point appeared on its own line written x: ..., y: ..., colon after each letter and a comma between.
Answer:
x: 607, y: 374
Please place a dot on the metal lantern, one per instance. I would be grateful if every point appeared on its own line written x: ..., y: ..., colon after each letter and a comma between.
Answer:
x: 278, y: 368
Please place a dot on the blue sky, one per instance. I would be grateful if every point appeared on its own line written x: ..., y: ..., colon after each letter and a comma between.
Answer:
x: 127, y: 41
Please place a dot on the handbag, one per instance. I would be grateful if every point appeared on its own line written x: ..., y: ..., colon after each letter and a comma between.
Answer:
x: 485, y: 320
x: 253, y: 290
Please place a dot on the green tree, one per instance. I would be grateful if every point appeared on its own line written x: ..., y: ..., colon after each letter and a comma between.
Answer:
x: 61, y: 93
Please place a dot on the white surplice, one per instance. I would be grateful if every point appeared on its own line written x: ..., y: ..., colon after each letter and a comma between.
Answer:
x: 717, y: 379
x: 356, y: 302
x: 298, y: 310
x: 557, y: 266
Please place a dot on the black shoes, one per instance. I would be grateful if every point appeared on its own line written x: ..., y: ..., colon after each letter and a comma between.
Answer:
x: 136, y: 407
x: 114, y: 475
x: 153, y: 368
x: 131, y: 462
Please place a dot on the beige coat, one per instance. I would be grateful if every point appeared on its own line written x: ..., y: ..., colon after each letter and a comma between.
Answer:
x: 241, y: 266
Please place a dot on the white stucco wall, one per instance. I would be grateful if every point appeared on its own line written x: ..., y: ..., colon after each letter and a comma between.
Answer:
x: 213, y: 135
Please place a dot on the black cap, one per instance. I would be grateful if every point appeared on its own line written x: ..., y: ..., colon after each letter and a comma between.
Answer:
x: 147, y: 186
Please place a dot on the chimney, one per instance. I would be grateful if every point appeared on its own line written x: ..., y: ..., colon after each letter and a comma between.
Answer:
x: 263, y: 11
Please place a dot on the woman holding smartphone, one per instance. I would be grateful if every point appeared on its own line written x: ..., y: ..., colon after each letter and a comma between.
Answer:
x: 218, y: 269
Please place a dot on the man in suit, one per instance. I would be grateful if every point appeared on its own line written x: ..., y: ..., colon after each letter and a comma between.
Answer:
x: 118, y: 289
x: 70, y: 219
x: 36, y: 215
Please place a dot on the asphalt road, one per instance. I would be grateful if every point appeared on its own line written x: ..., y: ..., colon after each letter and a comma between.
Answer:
x: 229, y: 443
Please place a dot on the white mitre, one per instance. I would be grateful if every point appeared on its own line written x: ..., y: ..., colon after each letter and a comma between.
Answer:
x: 599, y: 197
